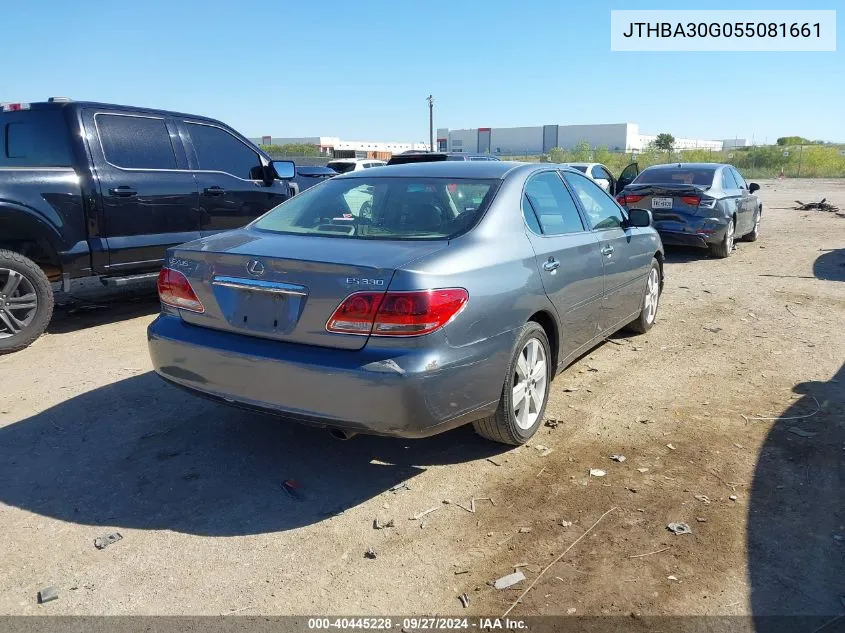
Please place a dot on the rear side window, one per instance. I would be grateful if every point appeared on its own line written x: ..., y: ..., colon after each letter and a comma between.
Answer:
x: 135, y: 142
x: 342, y: 168
x: 383, y: 208
x: 676, y: 176
x: 740, y: 181
x: 34, y: 139
x: 728, y: 181
x: 555, y: 208
x: 217, y: 150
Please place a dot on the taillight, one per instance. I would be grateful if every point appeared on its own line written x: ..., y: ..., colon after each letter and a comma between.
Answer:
x: 691, y: 201
x: 397, y: 313
x: 627, y: 199
x: 175, y: 290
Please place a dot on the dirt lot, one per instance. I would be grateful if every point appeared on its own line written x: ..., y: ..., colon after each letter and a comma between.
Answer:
x: 91, y: 442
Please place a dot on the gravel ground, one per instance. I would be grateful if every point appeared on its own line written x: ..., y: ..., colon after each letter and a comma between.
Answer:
x: 91, y: 443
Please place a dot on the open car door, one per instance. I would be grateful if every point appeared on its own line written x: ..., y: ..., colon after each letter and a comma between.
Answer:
x: 626, y: 177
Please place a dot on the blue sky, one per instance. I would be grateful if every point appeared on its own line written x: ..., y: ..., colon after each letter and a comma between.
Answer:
x: 361, y: 70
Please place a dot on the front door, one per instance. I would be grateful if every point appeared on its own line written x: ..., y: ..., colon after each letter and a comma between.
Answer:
x: 626, y: 263
x: 149, y: 198
x: 229, y: 175
x: 626, y: 178
x: 568, y: 258
x: 747, y: 206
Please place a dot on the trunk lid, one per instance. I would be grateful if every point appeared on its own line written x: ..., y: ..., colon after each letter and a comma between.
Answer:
x: 667, y: 202
x: 285, y: 287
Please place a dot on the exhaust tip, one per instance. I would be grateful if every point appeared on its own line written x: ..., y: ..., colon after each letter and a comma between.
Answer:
x: 340, y: 434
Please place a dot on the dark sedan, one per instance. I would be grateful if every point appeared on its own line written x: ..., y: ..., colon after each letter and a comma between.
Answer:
x: 408, y: 300
x: 709, y: 205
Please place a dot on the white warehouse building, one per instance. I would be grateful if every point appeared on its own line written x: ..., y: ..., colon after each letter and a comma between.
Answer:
x: 334, y: 146
x: 622, y: 137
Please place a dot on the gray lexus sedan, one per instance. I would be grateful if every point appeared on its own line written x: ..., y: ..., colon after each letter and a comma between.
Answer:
x: 408, y: 300
x: 708, y: 205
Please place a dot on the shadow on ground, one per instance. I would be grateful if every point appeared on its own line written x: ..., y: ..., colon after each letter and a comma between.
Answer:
x: 796, y: 523
x: 81, y: 315
x: 141, y: 454
x: 830, y: 265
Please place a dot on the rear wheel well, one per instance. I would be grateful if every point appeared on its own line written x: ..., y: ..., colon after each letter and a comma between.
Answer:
x: 549, y: 325
x: 661, y: 259
x: 38, y: 250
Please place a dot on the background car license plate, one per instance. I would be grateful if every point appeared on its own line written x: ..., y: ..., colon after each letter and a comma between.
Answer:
x: 661, y: 203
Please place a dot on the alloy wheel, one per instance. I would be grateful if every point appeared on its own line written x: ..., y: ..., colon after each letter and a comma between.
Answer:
x: 652, y: 295
x: 729, y: 236
x: 18, y: 302
x: 529, y: 384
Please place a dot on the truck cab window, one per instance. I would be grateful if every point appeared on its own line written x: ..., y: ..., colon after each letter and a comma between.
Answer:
x: 217, y: 150
x: 135, y: 142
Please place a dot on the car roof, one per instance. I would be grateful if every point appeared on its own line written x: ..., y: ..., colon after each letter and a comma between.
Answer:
x: 355, y: 160
x: 688, y: 166
x: 440, y: 169
x: 55, y: 105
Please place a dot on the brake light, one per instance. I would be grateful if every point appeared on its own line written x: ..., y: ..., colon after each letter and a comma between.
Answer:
x: 627, y: 199
x: 410, y: 313
x: 15, y: 107
x: 691, y: 201
x: 175, y: 290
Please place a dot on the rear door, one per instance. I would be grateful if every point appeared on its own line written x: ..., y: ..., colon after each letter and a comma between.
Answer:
x: 626, y: 261
x: 733, y: 197
x: 229, y: 178
x: 149, y: 197
x: 568, y: 258
x: 747, y: 205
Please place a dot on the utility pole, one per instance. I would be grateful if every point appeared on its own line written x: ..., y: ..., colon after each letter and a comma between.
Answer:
x: 430, y: 123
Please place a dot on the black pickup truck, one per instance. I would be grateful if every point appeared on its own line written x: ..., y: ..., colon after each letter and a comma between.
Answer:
x: 93, y: 190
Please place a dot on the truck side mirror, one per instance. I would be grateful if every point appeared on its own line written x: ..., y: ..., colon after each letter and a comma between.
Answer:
x: 285, y: 169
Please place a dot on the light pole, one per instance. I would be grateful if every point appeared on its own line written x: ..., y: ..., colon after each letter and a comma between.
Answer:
x: 430, y: 100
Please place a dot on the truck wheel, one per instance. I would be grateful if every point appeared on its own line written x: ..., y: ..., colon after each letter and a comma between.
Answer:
x: 26, y: 302
x: 525, y: 392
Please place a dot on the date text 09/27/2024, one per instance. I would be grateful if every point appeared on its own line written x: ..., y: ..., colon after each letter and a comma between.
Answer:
x: 417, y: 623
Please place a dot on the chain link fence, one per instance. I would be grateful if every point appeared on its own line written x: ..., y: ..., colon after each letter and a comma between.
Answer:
x: 760, y: 161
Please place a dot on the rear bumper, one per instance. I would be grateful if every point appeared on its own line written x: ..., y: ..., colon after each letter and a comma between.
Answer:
x: 404, y: 392
x: 695, y: 231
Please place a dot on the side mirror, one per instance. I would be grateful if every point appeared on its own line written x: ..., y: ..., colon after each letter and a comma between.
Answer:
x: 639, y: 217
x: 752, y: 187
x: 284, y: 169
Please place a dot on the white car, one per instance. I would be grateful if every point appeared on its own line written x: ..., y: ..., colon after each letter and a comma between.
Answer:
x: 601, y: 175
x: 343, y: 165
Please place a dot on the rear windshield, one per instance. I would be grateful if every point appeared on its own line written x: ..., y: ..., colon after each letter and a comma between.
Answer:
x: 383, y: 208
x: 679, y: 176
x: 341, y: 168
x: 34, y: 138
x: 403, y: 159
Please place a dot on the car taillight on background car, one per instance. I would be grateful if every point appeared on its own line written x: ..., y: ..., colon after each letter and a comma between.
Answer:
x: 175, y: 290
x: 409, y: 313
x: 624, y: 199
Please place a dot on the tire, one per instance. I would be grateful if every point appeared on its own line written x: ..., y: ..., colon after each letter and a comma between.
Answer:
x: 511, y: 424
x: 651, y: 301
x: 724, y: 248
x: 26, y: 302
x: 755, y: 232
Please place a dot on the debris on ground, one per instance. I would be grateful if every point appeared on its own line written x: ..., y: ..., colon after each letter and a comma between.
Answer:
x: 618, y: 458
x: 102, y: 542
x: 47, y: 594
x: 733, y: 497
x: 715, y: 330
x: 420, y: 515
x: 801, y: 432
x: 671, y: 577
x: 824, y: 205
x: 544, y: 450
x: 370, y: 553
x: 378, y: 525
x: 701, y: 519
x: 493, y: 461
x: 571, y: 389
x: 597, y: 472
x: 642, y: 470
x: 464, y: 600
x: 565, y: 523
x: 524, y: 530
x: 679, y: 528
x: 509, y: 581
x: 403, y: 486
x: 552, y: 423
x: 571, y: 611
x: 291, y: 486
x: 458, y: 572
x: 671, y: 447
x: 649, y: 553
x: 703, y: 498
x: 472, y: 501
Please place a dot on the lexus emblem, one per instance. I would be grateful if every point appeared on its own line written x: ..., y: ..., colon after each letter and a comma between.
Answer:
x: 255, y: 267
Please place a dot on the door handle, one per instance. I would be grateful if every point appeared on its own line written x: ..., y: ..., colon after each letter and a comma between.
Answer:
x: 214, y: 191
x: 123, y: 191
x: 551, y: 265
x: 607, y: 251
